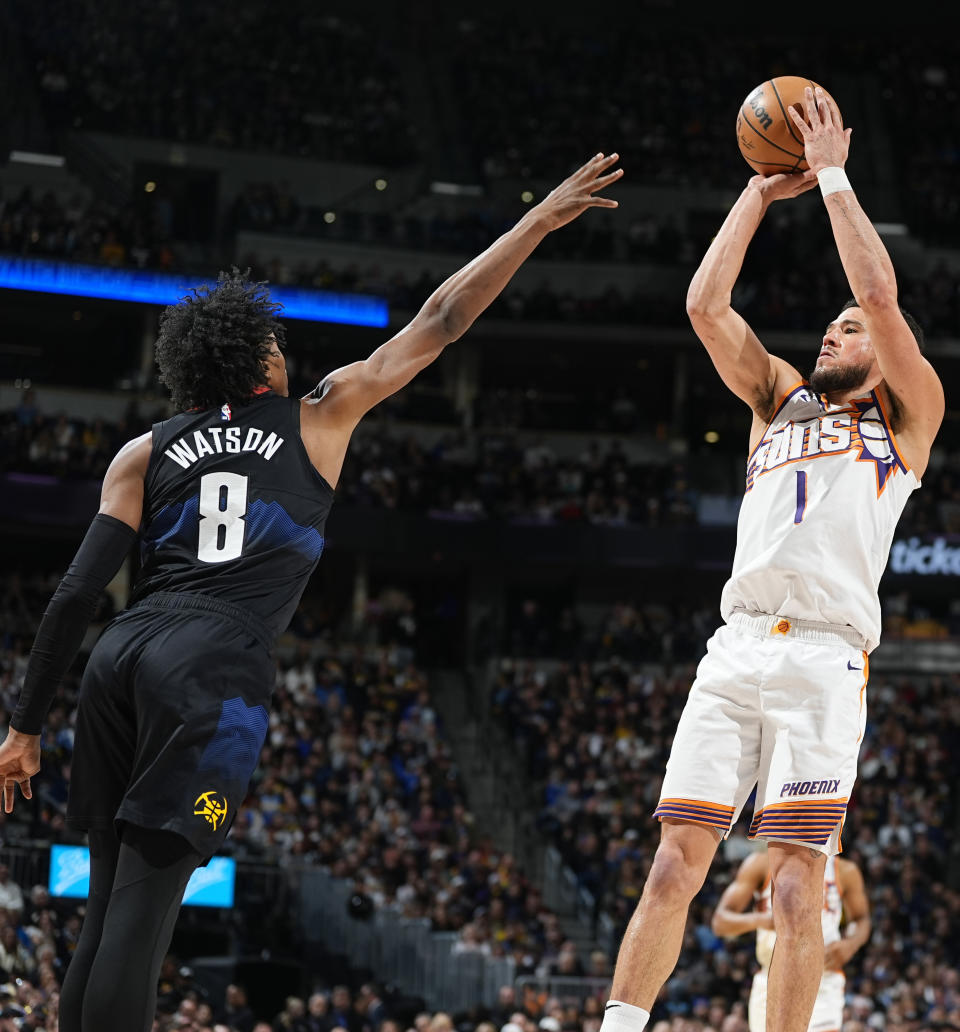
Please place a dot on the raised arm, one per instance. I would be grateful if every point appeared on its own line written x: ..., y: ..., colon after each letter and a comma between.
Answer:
x: 101, y: 554
x: 856, y: 911
x: 908, y: 376
x: 347, y: 394
x: 743, y: 363
x: 732, y: 916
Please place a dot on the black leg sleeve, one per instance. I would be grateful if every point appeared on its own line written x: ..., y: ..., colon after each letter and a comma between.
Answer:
x: 153, y: 869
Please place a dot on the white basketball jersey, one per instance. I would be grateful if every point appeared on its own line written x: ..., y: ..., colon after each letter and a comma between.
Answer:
x: 830, y: 916
x: 825, y: 488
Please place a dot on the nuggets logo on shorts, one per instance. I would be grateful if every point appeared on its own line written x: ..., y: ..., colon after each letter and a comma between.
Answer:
x: 212, y: 807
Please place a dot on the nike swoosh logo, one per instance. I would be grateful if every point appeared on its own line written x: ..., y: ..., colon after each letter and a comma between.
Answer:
x: 609, y: 1005
x: 850, y: 666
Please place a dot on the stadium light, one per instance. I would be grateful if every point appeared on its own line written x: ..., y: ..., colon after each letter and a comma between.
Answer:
x: 160, y: 288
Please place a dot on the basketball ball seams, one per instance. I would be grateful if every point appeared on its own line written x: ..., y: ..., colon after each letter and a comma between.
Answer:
x: 786, y: 117
x: 772, y: 130
x: 768, y: 141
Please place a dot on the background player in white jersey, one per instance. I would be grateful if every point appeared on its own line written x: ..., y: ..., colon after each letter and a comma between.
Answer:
x: 779, y: 699
x: 845, y: 904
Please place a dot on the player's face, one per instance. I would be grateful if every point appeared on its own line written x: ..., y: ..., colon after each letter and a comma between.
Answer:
x: 847, y: 358
x: 277, y: 370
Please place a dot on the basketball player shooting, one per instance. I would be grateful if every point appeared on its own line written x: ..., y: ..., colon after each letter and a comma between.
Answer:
x: 844, y: 917
x: 229, y: 500
x: 779, y: 700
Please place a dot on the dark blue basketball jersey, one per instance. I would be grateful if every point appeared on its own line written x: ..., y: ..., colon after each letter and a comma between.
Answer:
x: 233, y: 509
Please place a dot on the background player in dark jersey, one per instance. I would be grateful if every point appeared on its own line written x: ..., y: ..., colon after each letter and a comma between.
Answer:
x: 229, y: 501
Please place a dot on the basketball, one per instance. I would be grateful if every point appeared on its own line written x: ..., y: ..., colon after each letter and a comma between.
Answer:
x: 766, y: 135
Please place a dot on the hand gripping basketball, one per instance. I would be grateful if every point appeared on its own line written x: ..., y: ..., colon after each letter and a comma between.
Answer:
x: 826, y: 143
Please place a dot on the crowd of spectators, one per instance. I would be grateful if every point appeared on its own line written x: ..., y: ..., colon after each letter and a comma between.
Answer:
x: 524, y: 91
x: 354, y: 775
x: 594, y: 730
x: 294, y: 79
x: 78, y: 229
x: 430, y: 223
x: 671, y: 114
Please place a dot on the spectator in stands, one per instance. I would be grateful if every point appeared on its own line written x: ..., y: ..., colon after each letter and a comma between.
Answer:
x: 11, y: 896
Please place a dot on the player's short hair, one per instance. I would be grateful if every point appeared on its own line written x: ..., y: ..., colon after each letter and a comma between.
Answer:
x: 915, y: 327
x: 213, y: 344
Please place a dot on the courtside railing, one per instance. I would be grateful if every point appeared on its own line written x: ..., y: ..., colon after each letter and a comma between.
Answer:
x: 399, y: 949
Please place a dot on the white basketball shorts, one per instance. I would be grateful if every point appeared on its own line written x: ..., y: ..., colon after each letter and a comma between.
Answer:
x: 778, y: 704
x: 827, y: 1011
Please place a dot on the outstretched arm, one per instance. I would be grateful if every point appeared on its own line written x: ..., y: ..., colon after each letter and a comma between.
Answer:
x: 907, y: 374
x: 350, y: 392
x: 743, y: 363
x: 65, y: 622
x: 731, y: 916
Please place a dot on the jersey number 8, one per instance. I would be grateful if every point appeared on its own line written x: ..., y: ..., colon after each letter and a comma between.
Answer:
x: 223, y: 505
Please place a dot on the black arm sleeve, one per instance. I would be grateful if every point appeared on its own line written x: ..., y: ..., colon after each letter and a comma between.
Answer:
x: 64, y: 624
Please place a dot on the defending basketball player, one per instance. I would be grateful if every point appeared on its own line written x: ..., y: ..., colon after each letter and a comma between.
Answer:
x: 745, y: 907
x: 229, y: 500
x: 779, y: 700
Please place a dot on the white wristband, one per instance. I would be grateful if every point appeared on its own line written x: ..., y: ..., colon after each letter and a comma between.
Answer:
x: 832, y: 179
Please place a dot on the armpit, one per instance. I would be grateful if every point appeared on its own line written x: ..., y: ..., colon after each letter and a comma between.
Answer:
x: 764, y: 403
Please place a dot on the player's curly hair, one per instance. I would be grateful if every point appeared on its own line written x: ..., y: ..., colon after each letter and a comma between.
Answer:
x: 214, y: 342
x: 915, y: 328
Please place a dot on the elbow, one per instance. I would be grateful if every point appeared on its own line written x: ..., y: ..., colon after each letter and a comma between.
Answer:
x: 878, y: 297
x: 443, y: 321
x: 703, y: 306
x: 718, y: 925
x: 452, y: 322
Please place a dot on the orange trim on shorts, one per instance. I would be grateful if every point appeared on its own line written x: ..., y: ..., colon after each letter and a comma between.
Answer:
x: 795, y: 819
x: 863, y: 689
x: 700, y: 803
x: 713, y: 815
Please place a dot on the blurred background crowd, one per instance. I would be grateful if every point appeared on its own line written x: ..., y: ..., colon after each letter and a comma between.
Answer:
x: 450, y: 824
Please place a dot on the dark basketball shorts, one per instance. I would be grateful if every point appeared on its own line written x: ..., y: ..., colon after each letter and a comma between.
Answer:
x: 173, y: 712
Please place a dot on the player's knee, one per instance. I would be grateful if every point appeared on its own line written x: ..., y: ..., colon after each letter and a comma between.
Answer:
x: 674, y: 876
x: 797, y: 901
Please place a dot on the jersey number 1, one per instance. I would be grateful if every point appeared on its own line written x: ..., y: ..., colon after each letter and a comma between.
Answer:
x: 223, y: 505
x: 801, y: 495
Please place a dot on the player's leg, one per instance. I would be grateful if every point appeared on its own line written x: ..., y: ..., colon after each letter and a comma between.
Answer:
x: 712, y: 769
x: 100, y: 770
x: 796, y: 876
x: 153, y: 868
x: 757, y: 1005
x: 651, y: 945
x: 104, y: 852
x: 814, y: 710
x: 828, y: 1008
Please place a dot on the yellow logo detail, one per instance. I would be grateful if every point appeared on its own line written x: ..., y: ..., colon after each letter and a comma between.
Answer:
x: 212, y: 807
x: 781, y: 627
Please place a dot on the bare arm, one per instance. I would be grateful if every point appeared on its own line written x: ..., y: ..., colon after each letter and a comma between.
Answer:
x: 731, y: 916
x: 121, y: 495
x: 907, y: 374
x: 743, y: 363
x: 856, y: 909
x: 350, y: 392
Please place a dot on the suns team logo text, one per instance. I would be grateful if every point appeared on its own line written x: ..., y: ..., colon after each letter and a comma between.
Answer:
x: 862, y: 426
